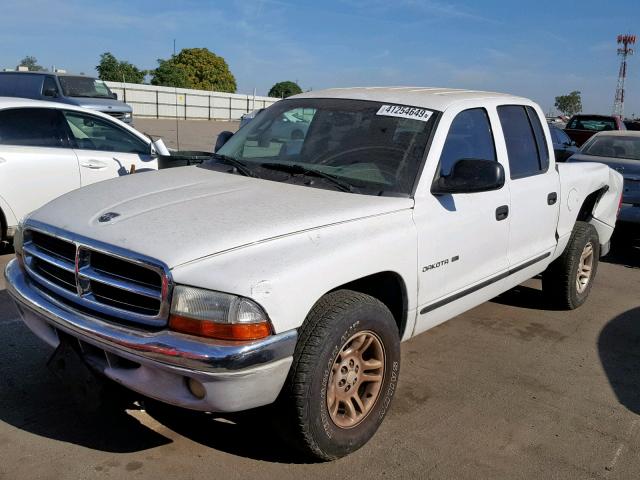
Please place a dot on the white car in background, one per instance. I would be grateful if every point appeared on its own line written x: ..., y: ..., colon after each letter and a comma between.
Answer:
x: 48, y: 149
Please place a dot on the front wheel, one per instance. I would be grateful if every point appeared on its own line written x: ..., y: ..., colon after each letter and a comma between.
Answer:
x: 344, y: 374
x: 568, y: 280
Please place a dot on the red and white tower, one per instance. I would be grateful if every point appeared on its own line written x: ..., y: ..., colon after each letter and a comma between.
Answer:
x: 624, y: 50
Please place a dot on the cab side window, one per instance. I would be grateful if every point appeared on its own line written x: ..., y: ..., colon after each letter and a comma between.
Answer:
x: 49, y: 87
x: 31, y: 127
x: 93, y: 133
x: 524, y: 137
x: 470, y: 136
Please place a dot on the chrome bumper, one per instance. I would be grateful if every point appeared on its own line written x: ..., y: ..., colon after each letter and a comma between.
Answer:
x: 236, y: 375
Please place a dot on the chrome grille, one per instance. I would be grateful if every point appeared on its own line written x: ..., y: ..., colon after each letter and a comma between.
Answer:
x: 113, y: 285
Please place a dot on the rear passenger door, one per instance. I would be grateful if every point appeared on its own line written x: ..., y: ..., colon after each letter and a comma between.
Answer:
x: 534, y: 185
x: 36, y: 163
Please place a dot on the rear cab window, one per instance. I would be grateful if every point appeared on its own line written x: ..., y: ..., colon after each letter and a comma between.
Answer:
x: 525, y: 141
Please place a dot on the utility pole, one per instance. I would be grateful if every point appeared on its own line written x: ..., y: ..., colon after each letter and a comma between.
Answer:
x: 175, y: 92
x: 624, y: 51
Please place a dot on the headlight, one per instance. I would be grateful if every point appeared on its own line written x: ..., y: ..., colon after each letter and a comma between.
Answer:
x: 212, y: 314
x: 127, y: 116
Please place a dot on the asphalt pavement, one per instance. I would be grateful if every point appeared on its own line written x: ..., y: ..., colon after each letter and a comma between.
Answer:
x: 199, y: 135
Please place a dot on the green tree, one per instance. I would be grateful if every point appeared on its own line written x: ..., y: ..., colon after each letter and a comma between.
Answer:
x: 195, y: 68
x: 113, y: 70
x: 285, y: 89
x: 569, y: 104
x: 170, y: 74
x: 32, y: 64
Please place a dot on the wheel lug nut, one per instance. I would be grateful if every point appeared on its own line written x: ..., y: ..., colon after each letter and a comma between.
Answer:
x: 343, y: 370
x: 351, y: 363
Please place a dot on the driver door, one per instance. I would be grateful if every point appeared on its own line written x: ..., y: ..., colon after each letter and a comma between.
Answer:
x: 104, y: 149
x: 462, y: 241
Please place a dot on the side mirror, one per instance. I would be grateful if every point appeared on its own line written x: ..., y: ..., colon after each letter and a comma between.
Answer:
x: 114, y: 95
x: 157, y: 147
x: 50, y: 92
x: 470, y: 175
x: 223, y: 137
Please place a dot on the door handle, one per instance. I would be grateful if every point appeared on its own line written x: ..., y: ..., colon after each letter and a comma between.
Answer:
x: 552, y: 198
x: 93, y: 164
x: 502, y: 212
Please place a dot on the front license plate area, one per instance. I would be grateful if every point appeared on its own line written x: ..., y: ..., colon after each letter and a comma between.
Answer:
x: 67, y: 364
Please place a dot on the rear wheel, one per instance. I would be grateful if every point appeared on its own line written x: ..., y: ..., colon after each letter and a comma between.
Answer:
x: 568, y: 280
x: 343, y: 376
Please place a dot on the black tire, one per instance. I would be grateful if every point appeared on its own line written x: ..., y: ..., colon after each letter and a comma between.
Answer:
x: 559, y: 281
x: 333, y: 321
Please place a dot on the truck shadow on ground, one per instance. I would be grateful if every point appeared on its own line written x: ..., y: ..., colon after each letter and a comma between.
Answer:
x: 251, y: 434
x: 34, y: 400
x: 625, y: 251
x: 619, y: 347
x: 525, y: 297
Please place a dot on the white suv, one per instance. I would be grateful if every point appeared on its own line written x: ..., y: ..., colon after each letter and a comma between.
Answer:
x: 48, y: 149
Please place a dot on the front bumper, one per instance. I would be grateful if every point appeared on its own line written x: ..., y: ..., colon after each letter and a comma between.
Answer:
x: 235, y: 375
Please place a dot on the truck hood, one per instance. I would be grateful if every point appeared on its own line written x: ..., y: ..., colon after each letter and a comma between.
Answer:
x: 100, y: 104
x: 179, y: 215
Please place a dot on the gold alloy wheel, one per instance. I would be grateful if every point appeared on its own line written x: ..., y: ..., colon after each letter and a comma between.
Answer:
x: 356, y: 379
x: 585, y: 268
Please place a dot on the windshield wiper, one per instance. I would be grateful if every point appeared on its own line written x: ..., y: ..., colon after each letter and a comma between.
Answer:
x: 299, y: 169
x: 237, y: 164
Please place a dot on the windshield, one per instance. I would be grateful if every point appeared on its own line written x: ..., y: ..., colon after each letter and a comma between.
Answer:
x: 373, y: 148
x: 595, y: 123
x: 84, y: 87
x: 613, y: 146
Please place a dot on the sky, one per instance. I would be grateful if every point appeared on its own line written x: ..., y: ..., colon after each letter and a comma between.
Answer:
x: 535, y: 48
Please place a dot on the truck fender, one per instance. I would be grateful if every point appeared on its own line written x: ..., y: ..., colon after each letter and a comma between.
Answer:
x: 591, y: 193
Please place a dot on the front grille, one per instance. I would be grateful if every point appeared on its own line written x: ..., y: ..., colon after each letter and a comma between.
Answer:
x: 118, y: 115
x: 129, y: 289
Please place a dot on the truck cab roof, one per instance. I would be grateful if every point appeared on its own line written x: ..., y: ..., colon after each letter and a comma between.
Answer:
x: 433, y: 98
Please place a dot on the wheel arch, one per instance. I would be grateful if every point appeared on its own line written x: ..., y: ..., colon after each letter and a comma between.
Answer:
x: 585, y: 214
x: 389, y: 288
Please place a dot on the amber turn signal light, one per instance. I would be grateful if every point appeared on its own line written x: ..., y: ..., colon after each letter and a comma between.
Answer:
x: 221, y: 331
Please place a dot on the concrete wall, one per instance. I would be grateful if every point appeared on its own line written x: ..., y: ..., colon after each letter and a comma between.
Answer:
x: 150, y: 101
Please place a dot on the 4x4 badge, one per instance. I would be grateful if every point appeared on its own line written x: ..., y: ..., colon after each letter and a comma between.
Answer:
x: 106, y: 217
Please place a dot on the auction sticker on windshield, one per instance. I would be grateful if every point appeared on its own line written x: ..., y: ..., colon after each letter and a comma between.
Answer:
x: 414, y: 113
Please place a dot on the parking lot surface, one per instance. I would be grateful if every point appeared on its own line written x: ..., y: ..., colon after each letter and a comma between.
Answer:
x: 186, y: 134
x: 510, y: 389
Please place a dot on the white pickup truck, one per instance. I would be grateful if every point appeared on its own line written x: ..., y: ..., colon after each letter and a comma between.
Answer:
x: 289, y: 268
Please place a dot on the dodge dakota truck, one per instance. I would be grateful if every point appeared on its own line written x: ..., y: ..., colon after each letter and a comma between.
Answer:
x: 288, y: 269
